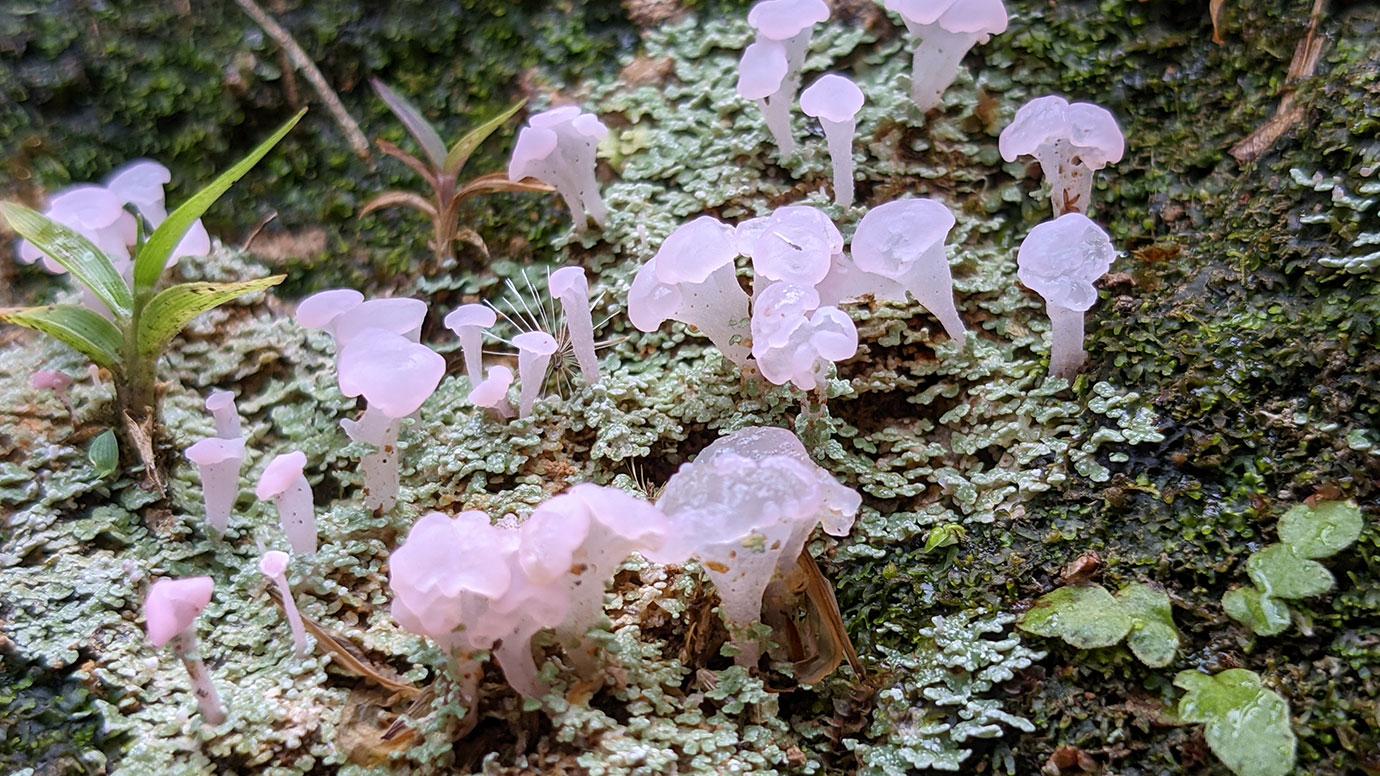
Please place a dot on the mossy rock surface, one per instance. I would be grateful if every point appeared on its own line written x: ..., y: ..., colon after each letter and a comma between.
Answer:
x: 1233, y: 375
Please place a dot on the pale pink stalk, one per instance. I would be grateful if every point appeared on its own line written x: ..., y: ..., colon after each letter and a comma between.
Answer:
x: 284, y: 483
x: 219, y: 462
x: 569, y: 286
x: 469, y: 322
x: 170, y: 614
x: 273, y: 564
x: 534, y: 357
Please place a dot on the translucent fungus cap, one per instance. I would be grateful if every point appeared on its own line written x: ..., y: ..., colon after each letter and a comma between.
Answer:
x: 833, y: 98
x: 220, y: 400
x: 393, y: 373
x: 892, y: 238
x: 555, y: 117
x: 215, y: 450
x: 693, y: 251
x: 471, y: 316
x: 274, y: 563
x: 590, y: 126
x: 280, y: 474
x: 494, y: 390
x: 444, y: 571
x: 534, y: 145
x: 398, y: 316
x: 784, y: 19
x: 1090, y: 128
x: 87, y: 207
x: 762, y: 70
x: 779, y: 310
x: 535, y: 342
x: 978, y: 17
x: 320, y: 310
x: 140, y: 183
x: 795, y: 244
x: 1061, y: 259
x: 173, y: 605
x: 567, y: 280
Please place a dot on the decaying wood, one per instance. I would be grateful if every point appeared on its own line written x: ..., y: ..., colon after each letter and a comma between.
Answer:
x: 1289, y: 113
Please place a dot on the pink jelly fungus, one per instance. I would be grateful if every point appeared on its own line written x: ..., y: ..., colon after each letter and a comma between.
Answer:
x: 835, y: 101
x: 570, y: 287
x: 945, y: 30
x: 1071, y: 141
x: 221, y: 405
x: 320, y: 310
x: 785, y: 19
x: 903, y: 243
x: 560, y: 148
x: 400, y: 316
x: 393, y: 373
x: 795, y: 244
x: 492, y: 393
x: 1061, y: 260
x: 469, y: 321
x: 50, y: 380
x: 534, y: 357
x: 280, y: 474
x: 173, y: 605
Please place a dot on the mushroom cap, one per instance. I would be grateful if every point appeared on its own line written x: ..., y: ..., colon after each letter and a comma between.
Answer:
x: 274, y: 563
x: 220, y: 400
x: 215, y: 450
x: 1061, y: 259
x: 49, y: 380
x: 784, y: 19
x: 832, y: 97
x: 590, y: 126
x: 1090, y: 128
x: 694, y: 250
x: 393, y: 373
x: 568, y: 280
x: 833, y: 335
x: 445, y: 569
x: 173, y: 605
x: 650, y: 301
x: 892, y: 237
x: 779, y: 311
x: 795, y: 244
x: 319, y: 310
x: 140, y: 183
x: 400, y: 315
x: 494, y: 389
x: 536, y: 342
x: 976, y: 17
x: 87, y: 208
x: 920, y: 11
x: 762, y: 70
x: 555, y: 117
x: 471, y: 316
x: 534, y: 145
x: 280, y: 474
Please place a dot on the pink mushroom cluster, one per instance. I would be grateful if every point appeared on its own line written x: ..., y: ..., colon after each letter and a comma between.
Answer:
x: 801, y: 273
x: 559, y: 147
x: 1071, y: 141
x: 944, y: 31
x: 769, y: 72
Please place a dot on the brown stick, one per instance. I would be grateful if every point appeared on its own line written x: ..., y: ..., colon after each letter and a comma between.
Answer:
x: 1289, y: 113
x: 312, y: 73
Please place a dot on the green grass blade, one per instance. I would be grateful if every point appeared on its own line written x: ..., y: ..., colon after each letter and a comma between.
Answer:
x: 465, y: 146
x: 173, y: 308
x: 87, y: 263
x: 75, y: 326
x: 153, y: 257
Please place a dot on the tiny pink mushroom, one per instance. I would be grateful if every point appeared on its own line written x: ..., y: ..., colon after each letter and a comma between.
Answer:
x: 469, y: 321
x: 835, y: 101
x: 534, y: 357
x: 273, y: 565
x: 560, y: 147
x: 492, y: 394
x: 569, y: 286
x: 1071, y: 141
x: 221, y: 405
x: 321, y: 310
x: 58, y: 383
x: 400, y: 316
x: 1061, y: 260
x: 170, y: 614
x: 284, y: 483
x: 945, y: 30
x: 219, y: 461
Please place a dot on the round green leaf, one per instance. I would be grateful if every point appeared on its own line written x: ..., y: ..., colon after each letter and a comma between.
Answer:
x: 1264, y: 615
x: 1246, y: 724
x: 1085, y: 616
x: 1322, y: 530
x: 104, y: 454
x: 1153, y: 637
x: 1280, y: 573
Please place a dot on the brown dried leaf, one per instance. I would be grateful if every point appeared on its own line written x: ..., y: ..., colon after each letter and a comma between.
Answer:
x: 1215, y: 11
x: 398, y: 199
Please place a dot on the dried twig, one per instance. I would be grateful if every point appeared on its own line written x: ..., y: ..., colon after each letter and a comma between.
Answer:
x: 1215, y: 11
x: 312, y: 73
x: 1289, y: 113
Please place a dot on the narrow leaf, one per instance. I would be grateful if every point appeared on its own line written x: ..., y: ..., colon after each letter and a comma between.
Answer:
x: 104, y: 454
x: 79, y: 328
x: 398, y: 199
x: 460, y: 152
x: 413, y: 163
x: 412, y: 120
x: 153, y: 257
x: 87, y: 263
x: 174, y: 308
x: 497, y: 182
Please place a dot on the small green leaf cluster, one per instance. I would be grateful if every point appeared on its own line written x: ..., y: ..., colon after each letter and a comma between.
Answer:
x: 1289, y: 570
x: 1088, y: 617
x: 1246, y: 724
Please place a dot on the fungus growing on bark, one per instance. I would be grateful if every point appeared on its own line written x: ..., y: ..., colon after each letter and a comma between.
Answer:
x: 395, y: 375
x: 492, y: 393
x: 140, y: 183
x: 1061, y: 260
x: 559, y: 147
x: 945, y: 30
x: 221, y: 405
x: 794, y: 339
x: 170, y: 614
x: 273, y: 565
x: 96, y: 214
x: 1071, y: 141
x: 534, y: 357
x: 284, y: 483
x: 744, y: 509
x: 769, y: 72
x: 795, y: 244
x: 899, y: 247
x: 569, y: 286
x: 58, y: 383
x: 469, y: 321
x: 321, y: 310
x: 218, y: 460
x: 692, y: 279
x: 835, y: 101
x: 401, y: 316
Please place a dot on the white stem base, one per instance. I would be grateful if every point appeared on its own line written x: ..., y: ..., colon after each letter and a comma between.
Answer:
x: 1066, y: 354
x: 207, y: 698
x: 839, y: 135
x: 938, y: 55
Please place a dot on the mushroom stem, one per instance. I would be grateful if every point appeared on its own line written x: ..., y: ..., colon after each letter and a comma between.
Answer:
x: 1066, y: 354
x: 294, y: 618
x: 184, y: 646
x: 1070, y: 181
x: 839, y: 135
x: 532, y: 374
x: 380, y: 469
x: 938, y: 55
x: 220, y: 487
x: 472, y: 345
x: 297, y: 516
x: 776, y: 110
x: 514, y: 656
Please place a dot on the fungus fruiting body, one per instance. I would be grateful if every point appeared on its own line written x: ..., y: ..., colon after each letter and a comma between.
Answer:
x: 469, y: 322
x: 835, y: 101
x: 322, y: 309
x: 218, y: 461
x: 744, y: 509
x: 284, y: 483
x: 570, y: 287
x: 57, y: 383
x: 492, y: 393
x: 170, y: 613
x: 1061, y: 260
x: 273, y: 565
x: 534, y: 358
x: 794, y: 339
x: 1071, y: 141
x: 769, y: 72
x: 559, y: 148
x: 945, y: 30
x: 221, y: 405
x: 397, y: 315
x: 899, y: 247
